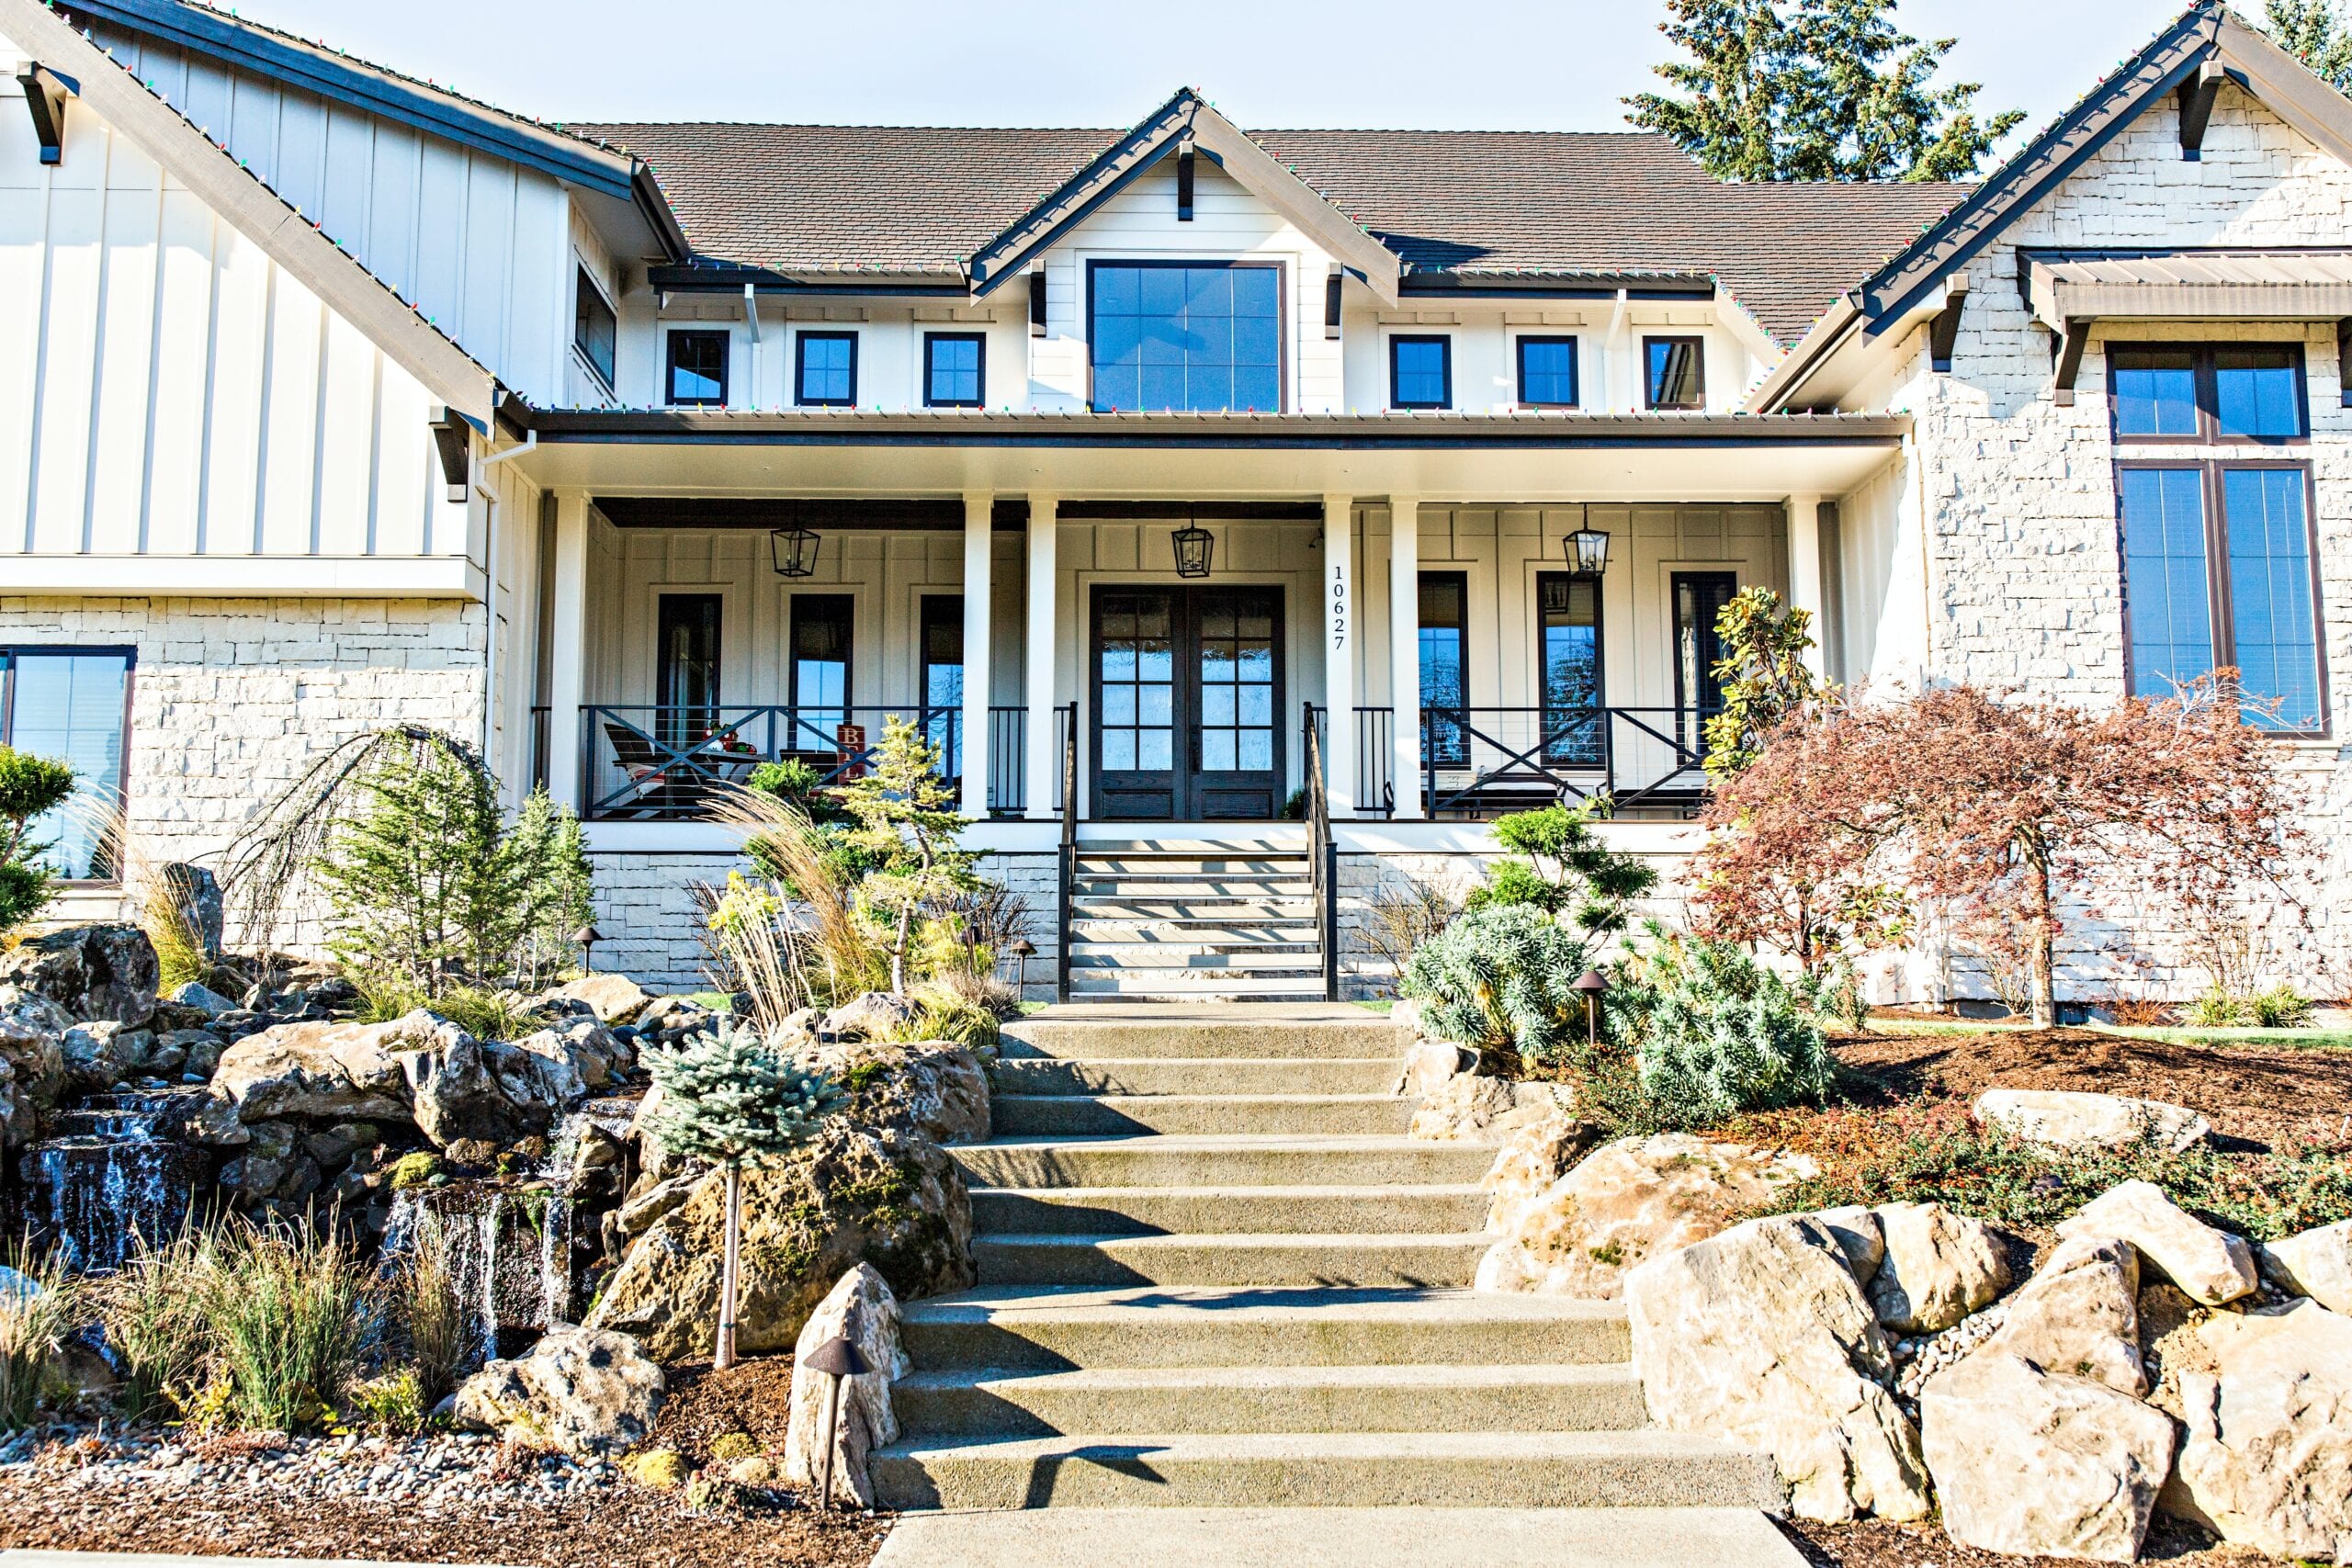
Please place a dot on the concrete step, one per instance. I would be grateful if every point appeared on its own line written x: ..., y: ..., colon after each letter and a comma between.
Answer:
x: 1157, y: 1327
x: 1648, y: 1469
x: 1374, y: 1261
x: 1165, y: 862
x: 1186, y: 885
x: 1293, y: 843
x: 1340, y: 1538
x: 1196, y: 1075
x: 1219, y: 1161
x: 1160, y: 960
x: 1543, y: 1398
x: 1030, y: 1115
x: 1255, y: 911
x: 1208, y: 987
x: 1227, y: 1211
x: 1213, y: 930
x: 1320, y: 1029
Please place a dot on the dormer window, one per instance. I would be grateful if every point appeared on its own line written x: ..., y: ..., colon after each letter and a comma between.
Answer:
x: 1420, y: 372
x: 825, y: 375
x: 697, y: 374
x: 1197, y: 335
x: 1677, y: 372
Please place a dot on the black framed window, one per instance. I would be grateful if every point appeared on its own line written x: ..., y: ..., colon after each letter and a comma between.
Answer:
x: 824, y: 369
x: 1445, y: 678
x: 594, y: 329
x: 2224, y: 393
x: 955, y: 369
x: 697, y: 373
x: 1547, y: 372
x: 1202, y: 335
x: 1567, y: 641
x: 72, y: 704
x: 685, y: 666
x: 1420, y: 372
x: 942, y: 677
x: 1675, y: 372
x: 1700, y: 597
x: 819, y: 676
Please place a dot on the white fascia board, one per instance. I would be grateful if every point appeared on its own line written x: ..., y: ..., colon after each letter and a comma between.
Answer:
x: 242, y: 577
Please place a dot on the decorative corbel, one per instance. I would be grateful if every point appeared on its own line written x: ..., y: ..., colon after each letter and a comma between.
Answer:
x: 2197, y: 96
x: 1943, y: 333
x: 2069, y: 347
x: 453, y: 438
x: 45, y: 95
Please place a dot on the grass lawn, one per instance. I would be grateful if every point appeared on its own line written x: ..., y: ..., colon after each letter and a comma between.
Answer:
x: 2319, y: 1039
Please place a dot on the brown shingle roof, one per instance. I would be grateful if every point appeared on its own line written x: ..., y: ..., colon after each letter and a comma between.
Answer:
x: 801, y: 197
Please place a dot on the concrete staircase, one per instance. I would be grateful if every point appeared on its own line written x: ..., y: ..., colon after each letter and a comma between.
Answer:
x: 1214, y: 1273
x: 1170, y: 919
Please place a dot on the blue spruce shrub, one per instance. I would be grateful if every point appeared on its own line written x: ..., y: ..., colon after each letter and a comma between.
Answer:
x: 1500, y: 975
x: 1716, y: 1033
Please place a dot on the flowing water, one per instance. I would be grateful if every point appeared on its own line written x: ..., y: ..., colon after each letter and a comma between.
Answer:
x: 108, y: 1174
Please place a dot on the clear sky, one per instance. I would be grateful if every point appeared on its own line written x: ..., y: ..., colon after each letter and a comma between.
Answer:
x: 1492, y: 64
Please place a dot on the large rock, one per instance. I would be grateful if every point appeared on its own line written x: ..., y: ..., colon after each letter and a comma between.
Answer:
x: 1429, y: 1063
x: 2062, y: 1118
x: 585, y: 1049
x: 873, y: 1016
x: 196, y: 892
x: 340, y: 1072
x: 1939, y: 1267
x: 96, y: 972
x: 99, y: 1055
x: 1860, y: 1235
x: 197, y: 997
x: 931, y: 1087
x: 887, y: 1197
x: 2079, y: 1316
x: 2037, y: 1464
x: 460, y: 1087
x: 1626, y: 1202
x: 1470, y: 1107
x: 1530, y: 1160
x: 1760, y: 1337
x: 2268, y: 1458
x: 32, y: 1063
x: 614, y: 998
x: 586, y: 1391
x: 2317, y: 1263
x: 2210, y: 1266
x: 861, y: 1309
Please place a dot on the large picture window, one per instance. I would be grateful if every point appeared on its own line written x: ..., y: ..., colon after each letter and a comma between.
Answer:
x: 1192, y: 335
x: 72, y: 704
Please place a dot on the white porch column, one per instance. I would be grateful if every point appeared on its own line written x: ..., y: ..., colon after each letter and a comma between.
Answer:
x: 1045, y: 762
x: 979, y: 521
x: 1340, y: 652
x: 1805, y: 574
x: 567, y: 649
x: 1405, y: 649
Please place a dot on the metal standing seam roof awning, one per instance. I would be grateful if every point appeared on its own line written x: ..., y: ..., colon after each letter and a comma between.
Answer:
x: 2068, y: 290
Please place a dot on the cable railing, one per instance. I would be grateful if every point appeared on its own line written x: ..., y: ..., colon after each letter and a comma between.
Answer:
x: 1478, y: 762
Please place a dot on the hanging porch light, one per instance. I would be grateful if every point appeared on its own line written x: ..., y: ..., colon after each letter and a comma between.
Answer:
x: 795, y: 551
x: 1194, y: 546
x: 1588, y: 552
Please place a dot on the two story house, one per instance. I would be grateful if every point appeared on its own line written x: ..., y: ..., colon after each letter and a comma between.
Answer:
x: 1247, y: 514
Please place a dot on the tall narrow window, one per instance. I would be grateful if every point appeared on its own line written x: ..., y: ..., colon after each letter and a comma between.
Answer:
x: 1420, y: 372
x: 821, y: 669
x: 2272, y: 626
x: 685, y: 673
x: 826, y: 373
x: 1547, y: 372
x: 1567, y: 621
x: 2166, y: 578
x: 72, y: 703
x: 1445, y: 682
x: 943, y: 679
x: 697, y: 369
x: 1201, y: 335
x: 594, y: 328
x: 1698, y: 601
x: 953, y: 374
x: 1677, y: 372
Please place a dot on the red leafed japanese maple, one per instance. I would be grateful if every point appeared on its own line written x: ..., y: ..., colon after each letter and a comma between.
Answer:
x: 1857, y: 811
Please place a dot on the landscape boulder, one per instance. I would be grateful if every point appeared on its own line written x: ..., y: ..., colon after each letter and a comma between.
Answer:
x: 461, y: 1087
x: 2268, y: 1458
x: 1860, y: 1236
x: 2212, y: 1266
x: 614, y: 998
x: 589, y: 1393
x: 585, y: 1049
x: 196, y: 894
x: 857, y: 1194
x: 2063, y: 1118
x: 931, y: 1087
x: 1759, y: 1337
x: 200, y: 998
x: 860, y: 1309
x: 1472, y: 1107
x: 337, y: 1072
x: 2036, y: 1463
x: 2079, y: 1316
x: 1531, y: 1159
x: 1429, y: 1064
x: 100, y: 1054
x: 1626, y: 1202
x: 32, y: 1062
x: 873, y: 1016
x: 96, y: 972
x: 1939, y: 1267
x: 2317, y: 1263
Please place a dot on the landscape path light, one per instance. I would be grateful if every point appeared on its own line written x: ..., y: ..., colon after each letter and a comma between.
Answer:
x: 1023, y: 951
x: 1593, y: 986
x: 838, y: 1359
x: 587, y: 937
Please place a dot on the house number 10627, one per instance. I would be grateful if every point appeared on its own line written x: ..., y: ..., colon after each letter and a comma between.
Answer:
x: 1338, y: 607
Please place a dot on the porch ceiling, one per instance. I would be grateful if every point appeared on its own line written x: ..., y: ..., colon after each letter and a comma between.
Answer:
x: 1515, y: 459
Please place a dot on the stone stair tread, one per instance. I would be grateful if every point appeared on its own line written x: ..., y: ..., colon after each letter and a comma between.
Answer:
x: 1139, y: 1303
x: 1239, y: 1241
x: 1209, y: 1379
x: 1506, y: 1447
x: 1207, y: 1143
x: 1117, y: 1101
x: 1081, y: 1195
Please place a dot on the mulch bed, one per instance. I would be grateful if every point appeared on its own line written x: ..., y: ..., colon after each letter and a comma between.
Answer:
x: 754, y: 1396
x: 1874, y: 1544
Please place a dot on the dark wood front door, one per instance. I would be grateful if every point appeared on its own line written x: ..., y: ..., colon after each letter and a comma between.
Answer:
x: 1187, y: 691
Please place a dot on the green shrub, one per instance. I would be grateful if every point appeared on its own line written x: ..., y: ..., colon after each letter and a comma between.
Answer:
x: 480, y: 1011
x: 2280, y: 1006
x: 1501, y: 976
x: 2283, y: 1007
x: 30, y: 787
x: 393, y: 1403
x: 37, y: 1312
x: 291, y: 1316
x: 1714, y: 1032
x: 1565, y: 869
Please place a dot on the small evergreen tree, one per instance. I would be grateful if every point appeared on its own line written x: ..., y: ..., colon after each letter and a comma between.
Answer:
x: 30, y: 787
x: 1762, y: 674
x: 2315, y: 32
x: 907, y: 823
x: 1567, y: 869
x: 557, y: 888
x: 736, y: 1099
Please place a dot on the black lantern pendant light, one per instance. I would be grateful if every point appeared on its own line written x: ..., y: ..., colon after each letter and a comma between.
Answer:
x: 1195, y: 545
x: 795, y: 550
x: 1588, y: 552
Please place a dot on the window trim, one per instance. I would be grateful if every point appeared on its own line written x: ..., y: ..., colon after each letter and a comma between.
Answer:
x: 1698, y: 342
x: 670, y: 367
x: 800, y: 342
x: 1281, y: 316
x: 1599, y: 664
x: 607, y: 377
x: 1576, y: 368
x: 2219, y: 606
x: 792, y: 652
x: 1446, y: 341
x: 980, y: 398
x: 2201, y: 352
x: 129, y: 653
x: 1461, y: 629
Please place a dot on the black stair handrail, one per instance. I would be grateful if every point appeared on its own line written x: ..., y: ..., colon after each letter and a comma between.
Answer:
x: 1322, y: 855
x: 1066, y: 717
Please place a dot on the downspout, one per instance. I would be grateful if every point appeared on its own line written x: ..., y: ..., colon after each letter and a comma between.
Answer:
x: 1618, y: 318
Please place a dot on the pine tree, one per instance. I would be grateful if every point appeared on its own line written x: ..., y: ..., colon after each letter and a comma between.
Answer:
x: 907, y: 823
x: 557, y: 886
x: 1813, y: 90
x: 734, y: 1099
x: 2315, y: 32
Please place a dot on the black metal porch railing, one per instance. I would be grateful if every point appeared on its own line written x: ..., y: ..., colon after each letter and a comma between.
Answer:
x: 654, y: 763
x: 1066, y: 727
x: 1008, y: 759
x: 1322, y: 852
x: 1482, y: 762
x: 540, y: 756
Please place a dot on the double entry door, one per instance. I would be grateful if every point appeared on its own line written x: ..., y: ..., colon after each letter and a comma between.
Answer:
x: 1186, y: 703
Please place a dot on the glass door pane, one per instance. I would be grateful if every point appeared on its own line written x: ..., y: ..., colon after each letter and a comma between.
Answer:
x: 1235, y: 757
x: 1135, y: 702
x: 1568, y: 641
x: 819, y: 674
x: 943, y: 680
x: 1444, y: 683
x: 1698, y: 601
x: 686, y: 679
